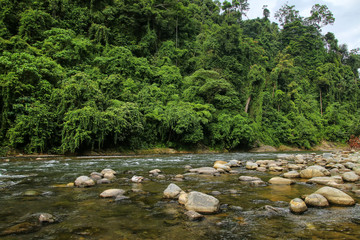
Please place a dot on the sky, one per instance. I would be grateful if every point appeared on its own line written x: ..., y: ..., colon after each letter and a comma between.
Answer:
x: 346, y: 12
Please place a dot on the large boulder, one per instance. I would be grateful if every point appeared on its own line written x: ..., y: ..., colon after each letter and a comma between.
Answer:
x: 111, y: 193
x: 84, y: 181
x: 316, y: 200
x: 201, y: 202
x: 280, y: 181
x: 172, y: 191
x: 314, y: 171
x: 351, y: 176
x: 336, y: 196
x: 297, y: 206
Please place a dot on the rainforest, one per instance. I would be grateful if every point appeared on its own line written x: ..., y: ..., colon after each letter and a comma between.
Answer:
x: 118, y: 74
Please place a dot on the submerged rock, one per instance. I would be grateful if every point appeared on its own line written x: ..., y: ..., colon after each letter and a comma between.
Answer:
x: 316, y: 200
x: 248, y: 178
x: 336, y: 196
x: 172, y: 191
x: 297, y: 206
x: 201, y: 202
x: 112, y: 193
x: 84, y: 181
x: 326, y: 180
x: 21, y: 228
x: 192, y: 215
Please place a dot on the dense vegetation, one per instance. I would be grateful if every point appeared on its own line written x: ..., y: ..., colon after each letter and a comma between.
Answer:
x: 118, y: 74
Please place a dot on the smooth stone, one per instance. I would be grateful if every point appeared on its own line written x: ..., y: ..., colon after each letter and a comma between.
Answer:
x: 192, y: 215
x: 178, y: 179
x: 233, y: 163
x: 155, y: 171
x: 256, y: 183
x: 336, y: 196
x: 314, y: 171
x: 137, y: 179
x: 350, y: 177
x: 299, y: 159
x: 112, y: 193
x: 103, y: 181
x: 108, y: 170
x: 350, y: 165
x: 280, y: 181
x: 179, y: 176
x: 316, y: 200
x: 84, y: 181
x: 294, y: 167
x: 183, y: 197
x: 204, y: 170
x: 326, y: 180
x: 109, y: 175
x: 172, y: 191
x: 248, y: 178
x: 46, y: 217
x: 251, y: 165
x: 96, y: 176
x: 297, y: 206
x: 201, y: 202
x: 334, y: 172
x: 276, y: 169
x: 292, y: 174
x: 261, y: 169
x: 357, y: 170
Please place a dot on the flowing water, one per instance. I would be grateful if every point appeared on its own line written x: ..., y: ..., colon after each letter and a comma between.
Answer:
x: 29, y: 187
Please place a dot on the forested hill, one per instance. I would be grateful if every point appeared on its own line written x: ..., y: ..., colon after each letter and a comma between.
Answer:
x: 110, y: 74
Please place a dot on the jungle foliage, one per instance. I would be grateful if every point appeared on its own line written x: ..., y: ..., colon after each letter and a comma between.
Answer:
x: 81, y: 75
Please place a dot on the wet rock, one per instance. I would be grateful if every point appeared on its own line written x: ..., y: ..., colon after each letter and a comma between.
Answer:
x: 326, y: 180
x: 108, y: 170
x: 280, y: 181
x: 316, y: 200
x: 84, y: 181
x: 155, y: 171
x: 204, y: 170
x: 172, y: 191
x: 251, y: 165
x: 276, y: 169
x: 183, y: 197
x: 201, y: 202
x: 248, y: 178
x: 336, y: 196
x: 297, y: 206
x: 103, y: 181
x: 121, y: 198
x: 111, y: 193
x: 221, y: 165
x: 137, y: 179
x: 47, y: 218
x: 350, y: 177
x: 286, y: 156
x: 193, y: 216
x: 21, y: 228
x: 292, y: 174
x: 109, y: 175
x: 314, y: 171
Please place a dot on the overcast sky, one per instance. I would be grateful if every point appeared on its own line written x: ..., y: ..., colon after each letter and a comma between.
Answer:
x: 346, y: 12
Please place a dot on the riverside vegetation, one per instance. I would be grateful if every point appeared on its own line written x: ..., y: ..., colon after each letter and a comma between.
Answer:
x: 109, y: 74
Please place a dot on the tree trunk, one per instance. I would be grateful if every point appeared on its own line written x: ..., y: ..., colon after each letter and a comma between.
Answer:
x: 247, y: 104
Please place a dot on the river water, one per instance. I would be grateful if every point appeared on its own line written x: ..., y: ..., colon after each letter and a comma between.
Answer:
x: 29, y: 186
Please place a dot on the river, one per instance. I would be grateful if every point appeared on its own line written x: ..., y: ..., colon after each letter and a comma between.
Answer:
x: 29, y: 186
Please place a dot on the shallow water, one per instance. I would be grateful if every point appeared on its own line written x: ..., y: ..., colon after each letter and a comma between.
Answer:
x: 82, y: 214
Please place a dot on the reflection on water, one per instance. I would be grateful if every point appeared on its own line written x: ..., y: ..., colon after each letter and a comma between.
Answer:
x: 30, y: 186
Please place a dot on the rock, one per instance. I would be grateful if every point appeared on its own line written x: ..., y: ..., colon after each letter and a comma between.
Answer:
x: 314, y: 171
x: 357, y: 170
x: 204, y: 170
x: 84, y: 181
x: 215, y: 193
x: 192, y: 215
x: 336, y: 196
x: 111, y: 193
x: 292, y: 174
x: 233, y: 163
x: 96, y: 176
x: 21, y: 228
x: 103, y: 181
x: 350, y: 165
x: 297, y: 206
x: 121, y: 198
x: 261, y: 169
x: 109, y: 175
x: 201, y: 202
x: 179, y: 176
x: 316, y: 200
x: 299, y: 159
x: 172, y: 191
x: 221, y: 165
x: 183, y: 197
x: 350, y: 176
x: 294, y: 167
x: 334, y: 172
x: 280, y: 181
x: 187, y: 167
x: 251, y: 165
x: 137, y: 179
x: 276, y: 169
x: 325, y: 180
x: 248, y: 178
x: 257, y: 183
x: 46, y: 217
x: 70, y: 184
x: 327, y: 155
x: 31, y: 193
x: 108, y: 170
x: 160, y: 176
x: 155, y: 171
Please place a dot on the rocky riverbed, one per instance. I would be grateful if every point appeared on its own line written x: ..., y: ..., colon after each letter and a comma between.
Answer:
x: 212, y: 196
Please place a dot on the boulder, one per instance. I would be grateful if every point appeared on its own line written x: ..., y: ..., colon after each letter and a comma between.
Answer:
x: 137, y: 179
x: 172, y: 191
x: 84, y: 181
x: 314, y: 171
x: 357, y: 170
x: 350, y: 165
x: 201, y: 202
x: 221, y: 165
x: 297, y: 206
x: 326, y: 180
x: 280, y: 181
x: 121, y: 198
x: 248, y: 178
x: 46, y: 217
x: 183, y: 197
x: 108, y: 170
x: 294, y: 167
x: 111, y: 193
x: 292, y: 174
x: 109, y: 175
x: 103, y: 181
x: 96, y: 176
x: 204, y: 170
x: 299, y: 159
x: 350, y: 176
x: 316, y: 200
x: 251, y: 165
x: 193, y: 216
x: 155, y: 171
x: 233, y: 163
x: 336, y: 196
